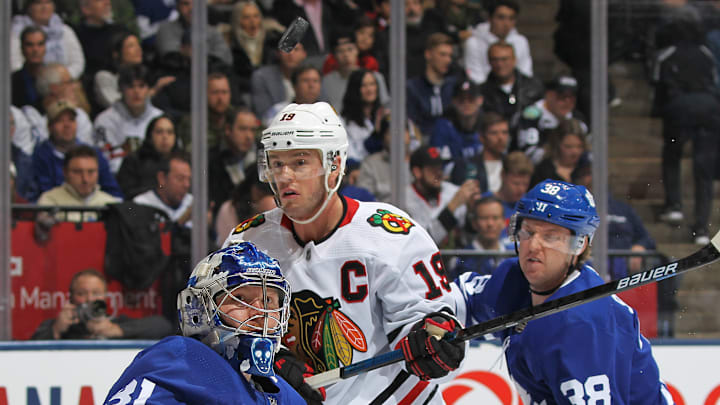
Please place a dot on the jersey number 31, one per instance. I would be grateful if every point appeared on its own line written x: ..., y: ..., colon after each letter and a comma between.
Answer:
x: 123, y: 397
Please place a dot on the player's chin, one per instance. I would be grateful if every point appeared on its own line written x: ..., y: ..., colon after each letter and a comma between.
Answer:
x: 533, y: 271
x: 294, y: 210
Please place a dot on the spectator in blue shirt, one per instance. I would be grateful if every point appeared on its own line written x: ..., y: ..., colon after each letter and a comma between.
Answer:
x: 430, y: 94
x: 49, y: 155
x: 459, y: 130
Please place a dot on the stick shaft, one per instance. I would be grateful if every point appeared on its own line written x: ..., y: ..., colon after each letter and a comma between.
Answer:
x: 701, y: 258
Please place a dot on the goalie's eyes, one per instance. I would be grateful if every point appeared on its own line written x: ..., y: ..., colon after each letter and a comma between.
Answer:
x: 251, y: 295
x: 271, y: 301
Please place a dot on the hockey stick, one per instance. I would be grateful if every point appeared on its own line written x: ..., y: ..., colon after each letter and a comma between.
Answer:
x: 701, y: 258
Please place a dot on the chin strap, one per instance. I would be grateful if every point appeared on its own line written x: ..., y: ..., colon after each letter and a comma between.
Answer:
x: 317, y: 214
x: 330, y: 192
x: 546, y: 292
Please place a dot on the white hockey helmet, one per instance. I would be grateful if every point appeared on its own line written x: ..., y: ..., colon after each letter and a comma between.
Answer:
x: 306, y: 126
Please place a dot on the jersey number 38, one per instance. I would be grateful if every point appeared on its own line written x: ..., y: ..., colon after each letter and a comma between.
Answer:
x: 596, y: 388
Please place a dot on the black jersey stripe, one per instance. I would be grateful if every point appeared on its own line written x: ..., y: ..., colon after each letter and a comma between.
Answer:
x: 387, y: 392
x: 432, y: 394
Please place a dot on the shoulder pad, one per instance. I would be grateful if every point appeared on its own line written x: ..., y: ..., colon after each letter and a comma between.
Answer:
x: 390, y: 222
x: 531, y: 113
x: 257, y: 220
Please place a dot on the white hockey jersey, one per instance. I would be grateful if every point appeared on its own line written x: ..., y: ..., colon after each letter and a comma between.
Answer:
x: 356, y: 294
x: 428, y: 213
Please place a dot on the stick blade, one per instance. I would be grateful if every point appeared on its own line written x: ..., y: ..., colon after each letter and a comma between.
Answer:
x: 293, y: 34
x: 323, y: 379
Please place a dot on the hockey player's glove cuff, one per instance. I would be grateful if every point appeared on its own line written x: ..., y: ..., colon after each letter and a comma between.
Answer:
x: 294, y: 371
x: 426, y: 354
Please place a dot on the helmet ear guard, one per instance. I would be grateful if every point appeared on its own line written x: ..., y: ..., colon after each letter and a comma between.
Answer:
x: 513, y: 227
x: 262, y: 165
x: 580, y: 243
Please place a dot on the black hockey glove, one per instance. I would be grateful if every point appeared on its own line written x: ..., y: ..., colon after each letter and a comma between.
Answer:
x: 426, y: 354
x: 294, y: 371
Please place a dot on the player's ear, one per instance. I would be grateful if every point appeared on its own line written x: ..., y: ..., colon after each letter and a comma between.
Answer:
x: 580, y: 245
x: 335, y: 170
x: 416, y: 172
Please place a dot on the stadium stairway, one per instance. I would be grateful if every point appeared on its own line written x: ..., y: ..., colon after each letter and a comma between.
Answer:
x: 634, y: 151
x: 635, y: 146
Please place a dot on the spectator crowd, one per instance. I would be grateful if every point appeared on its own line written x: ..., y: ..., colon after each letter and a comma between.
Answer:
x: 101, y: 106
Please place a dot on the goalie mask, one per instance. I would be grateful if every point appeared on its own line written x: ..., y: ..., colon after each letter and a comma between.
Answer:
x: 237, y: 302
x: 567, y: 205
x: 315, y: 127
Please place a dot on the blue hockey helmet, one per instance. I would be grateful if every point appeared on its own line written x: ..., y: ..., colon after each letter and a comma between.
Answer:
x: 249, y: 344
x: 560, y: 203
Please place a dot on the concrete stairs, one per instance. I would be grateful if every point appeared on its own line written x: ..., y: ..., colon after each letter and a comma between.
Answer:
x: 634, y: 150
x: 635, y: 147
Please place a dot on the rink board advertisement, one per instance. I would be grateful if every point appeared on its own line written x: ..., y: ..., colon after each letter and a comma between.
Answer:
x: 41, y: 273
x: 83, y: 374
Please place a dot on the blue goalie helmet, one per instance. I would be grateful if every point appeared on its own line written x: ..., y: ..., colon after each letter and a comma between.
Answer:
x: 564, y: 204
x: 237, y: 302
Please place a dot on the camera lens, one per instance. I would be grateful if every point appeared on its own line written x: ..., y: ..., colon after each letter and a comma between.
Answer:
x: 91, y: 310
x: 98, y: 308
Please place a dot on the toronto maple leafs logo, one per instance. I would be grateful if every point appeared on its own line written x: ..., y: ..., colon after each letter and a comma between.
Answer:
x: 193, y: 313
x: 390, y: 222
x: 320, y: 333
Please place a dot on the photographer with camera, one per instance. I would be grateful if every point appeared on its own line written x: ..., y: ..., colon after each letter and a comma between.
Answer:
x: 84, y: 316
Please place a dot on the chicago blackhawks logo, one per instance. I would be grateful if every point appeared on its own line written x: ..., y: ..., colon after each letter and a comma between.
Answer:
x: 257, y: 220
x: 320, y: 333
x: 390, y: 222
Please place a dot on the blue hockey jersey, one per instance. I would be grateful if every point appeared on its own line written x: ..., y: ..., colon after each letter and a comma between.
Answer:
x: 581, y: 355
x: 182, y: 370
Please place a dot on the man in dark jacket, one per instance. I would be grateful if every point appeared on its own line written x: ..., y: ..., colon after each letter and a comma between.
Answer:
x: 24, y: 89
x: 96, y: 31
x: 430, y: 94
x: 686, y: 94
x: 229, y: 161
x: 84, y: 315
x: 507, y: 91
